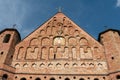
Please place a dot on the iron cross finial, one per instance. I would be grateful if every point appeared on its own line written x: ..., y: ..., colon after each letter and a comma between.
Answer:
x: 14, y: 25
x: 59, y: 9
x: 106, y: 27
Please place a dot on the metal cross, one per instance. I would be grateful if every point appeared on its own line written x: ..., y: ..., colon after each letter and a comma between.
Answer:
x: 59, y: 9
x: 14, y: 25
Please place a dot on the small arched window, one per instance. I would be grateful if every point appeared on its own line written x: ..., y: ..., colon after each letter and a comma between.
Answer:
x: 37, y: 79
x: 81, y: 79
x: 118, y: 77
x: 52, y: 78
x: 4, y: 77
x: 67, y: 79
x: 6, y: 38
x: 23, y: 79
x: 96, y: 79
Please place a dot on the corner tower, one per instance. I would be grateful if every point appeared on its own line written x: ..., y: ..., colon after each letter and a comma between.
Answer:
x: 8, y: 39
x: 111, y: 42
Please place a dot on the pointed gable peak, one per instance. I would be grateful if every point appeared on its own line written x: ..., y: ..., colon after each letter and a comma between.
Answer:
x: 59, y: 26
x: 59, y: 15
x: 60, y: 35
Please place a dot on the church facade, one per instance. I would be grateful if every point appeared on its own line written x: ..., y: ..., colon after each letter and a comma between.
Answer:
x: 59, y: 50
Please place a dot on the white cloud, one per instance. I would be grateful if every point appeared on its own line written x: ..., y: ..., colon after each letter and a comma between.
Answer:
x: 118, y: 3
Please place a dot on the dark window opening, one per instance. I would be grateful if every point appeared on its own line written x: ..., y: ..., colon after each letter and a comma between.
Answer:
x: 6, y: 38
x: 118, y: 76
x: 1, y: 53
x: 4, y: 77
x: 23, y: 79
x: 45, y: 77
x: 30, y: 77
x: 59, y: 77
x: 52, y: 78
x: 96, y: 79
x: 37, y: 79
x: 11, y: 56
x: 88, y: 77
x: 112, y: 58
x: 74, y: 77
x: 54, y: 56
x: 67, y: 79
x: 81, y: 79
x: 103, y: 77
x: 15, y: 77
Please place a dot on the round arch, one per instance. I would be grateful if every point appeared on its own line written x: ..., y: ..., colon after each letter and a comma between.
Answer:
x: 4, y: 77
x: 38, y: 78
x: 23, y: 78
x: 52, y: 78
x: 118, y: 77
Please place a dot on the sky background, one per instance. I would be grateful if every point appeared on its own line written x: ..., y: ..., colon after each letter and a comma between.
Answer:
x: 90, y: 15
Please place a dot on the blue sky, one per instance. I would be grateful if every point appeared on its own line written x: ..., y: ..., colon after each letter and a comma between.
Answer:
x: 90, y: 15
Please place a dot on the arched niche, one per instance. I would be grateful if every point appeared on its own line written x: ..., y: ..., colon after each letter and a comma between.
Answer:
x: 58, y: 65
x: 89, y: 52
x: 96, y: 49
x: 83, y: 42
x: 50, y: 65
x: 44, y: 53
x: 25, y: 65
x: 91, y: 65
x: 59, y: 41
x: 17, y: 65
x: 34, y: 41
x: 54, y: 29
x: 32, y: 52
x: 54, y: 23
x: 74, y: 53
x: 100, y: 64
x: 49, y: 30
x: 54, y: 19
x: 65, y: 21
x: 34, y: 65
x: 86, y: 53
x: 45, y: 41
x: 42, y: 32
x: 51, y: 53
x: 72, y: 41
x: 42, y: 65
x: 76, y: 33
x: 59, y: 54
x: 65, y: 30
x: 71, y: 29
x: 83, y: 64
x: 66, y: 65
x: 59, y: 25
x: 66, y: 52
x: 75, y: 65
x: 21, y: 55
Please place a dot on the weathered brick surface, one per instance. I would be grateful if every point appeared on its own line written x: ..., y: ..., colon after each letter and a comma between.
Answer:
x: 60, y: 50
